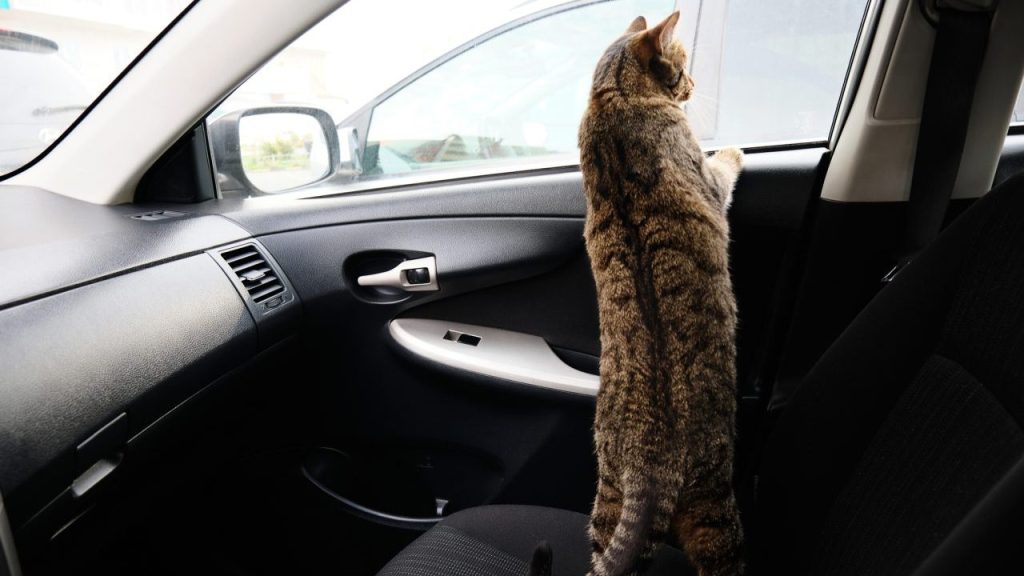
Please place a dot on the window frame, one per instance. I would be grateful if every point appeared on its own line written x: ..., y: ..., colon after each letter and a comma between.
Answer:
x: 363, y: 116
x: 855, y: 69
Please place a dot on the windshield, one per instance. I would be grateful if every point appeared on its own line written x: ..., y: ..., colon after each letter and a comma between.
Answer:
x: 57, y: 56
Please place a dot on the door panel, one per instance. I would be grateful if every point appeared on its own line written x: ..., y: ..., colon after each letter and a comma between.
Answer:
x: 560, y: 306
x: 373, y: 398
x: 510, y: 255
x: 351, y: 445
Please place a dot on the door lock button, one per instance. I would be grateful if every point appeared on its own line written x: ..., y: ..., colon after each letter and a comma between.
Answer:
x: 417, y: 276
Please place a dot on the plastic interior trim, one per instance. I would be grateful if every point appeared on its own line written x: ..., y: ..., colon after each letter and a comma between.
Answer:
x: 503, y: 354
x: 855, y: 71
x: 371, y: 515
x: 873, y: 158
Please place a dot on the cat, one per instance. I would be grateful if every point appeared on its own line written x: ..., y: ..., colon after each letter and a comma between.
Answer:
x: 657, y: 236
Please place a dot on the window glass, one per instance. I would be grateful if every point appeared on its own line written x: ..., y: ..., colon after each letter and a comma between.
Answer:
x: 501, y: 85
x: 782, y: 68
x: 56, y: 56
x: 518, y: 94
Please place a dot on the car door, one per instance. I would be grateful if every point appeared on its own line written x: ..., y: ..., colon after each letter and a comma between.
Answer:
x: 450, y: 326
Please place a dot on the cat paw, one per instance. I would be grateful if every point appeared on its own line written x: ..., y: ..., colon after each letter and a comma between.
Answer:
x: 731, y: 157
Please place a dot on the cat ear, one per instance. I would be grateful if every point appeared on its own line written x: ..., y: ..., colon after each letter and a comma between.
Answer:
x: 638, y: 25
x: 663, y: 33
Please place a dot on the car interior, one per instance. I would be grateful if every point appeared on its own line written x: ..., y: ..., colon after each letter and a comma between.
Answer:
x: 400, y: 379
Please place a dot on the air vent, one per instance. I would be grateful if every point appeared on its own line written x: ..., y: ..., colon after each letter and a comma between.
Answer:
x: 257, y: 276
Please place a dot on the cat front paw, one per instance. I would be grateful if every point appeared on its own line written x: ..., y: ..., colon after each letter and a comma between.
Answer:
x: 731, y: 157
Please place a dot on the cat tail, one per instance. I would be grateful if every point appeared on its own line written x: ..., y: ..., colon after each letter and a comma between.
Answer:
x: 631, y: 533
x: 540, y: 564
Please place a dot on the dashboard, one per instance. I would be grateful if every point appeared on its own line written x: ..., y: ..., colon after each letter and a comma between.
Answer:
x: 115, y: 318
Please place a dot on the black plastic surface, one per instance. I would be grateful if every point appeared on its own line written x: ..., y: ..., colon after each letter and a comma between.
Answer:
x: 108, y: 440
x: 382, y: 488
x: 545, y: 194
x: 471, y: 253
x: 138, y: 343
x: 183, y: 174
x: 366, y: 394
x: 540, y: 193
x: 50, y: 243
x: 581, y: 361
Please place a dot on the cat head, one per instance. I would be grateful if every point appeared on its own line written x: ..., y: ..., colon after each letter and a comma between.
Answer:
x: 645, y: 62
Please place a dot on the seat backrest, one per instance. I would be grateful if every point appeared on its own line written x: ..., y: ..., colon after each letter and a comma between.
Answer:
x: 912, y: 417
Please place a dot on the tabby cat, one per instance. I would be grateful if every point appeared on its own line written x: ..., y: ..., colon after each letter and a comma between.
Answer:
x: 658, y: 237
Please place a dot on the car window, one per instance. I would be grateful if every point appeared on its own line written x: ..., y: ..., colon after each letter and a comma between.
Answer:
x: 500, y: 86
x: 782, y: 68
x: 56, y: 56
x: 518, y: 94
x: 776, y: 76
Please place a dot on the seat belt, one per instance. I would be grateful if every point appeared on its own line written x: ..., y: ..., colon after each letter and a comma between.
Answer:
x: 961, y: 39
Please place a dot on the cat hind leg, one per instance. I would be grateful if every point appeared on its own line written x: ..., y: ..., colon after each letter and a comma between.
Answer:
x: 709, y: 531
x: 604, y: 517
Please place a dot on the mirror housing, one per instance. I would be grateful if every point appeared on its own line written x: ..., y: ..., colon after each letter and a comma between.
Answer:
x: 225, y: 141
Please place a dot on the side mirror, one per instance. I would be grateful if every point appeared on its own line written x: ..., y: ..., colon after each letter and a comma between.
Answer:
x: 273, y: 149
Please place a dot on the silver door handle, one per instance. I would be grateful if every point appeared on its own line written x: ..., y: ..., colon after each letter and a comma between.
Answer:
x: 418, y: 275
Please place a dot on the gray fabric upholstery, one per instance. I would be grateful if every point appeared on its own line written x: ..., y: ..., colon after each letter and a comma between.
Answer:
x: 912, y: 417
x: 944, y: 444
x: 447, y: 550
x: 500, y: 540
